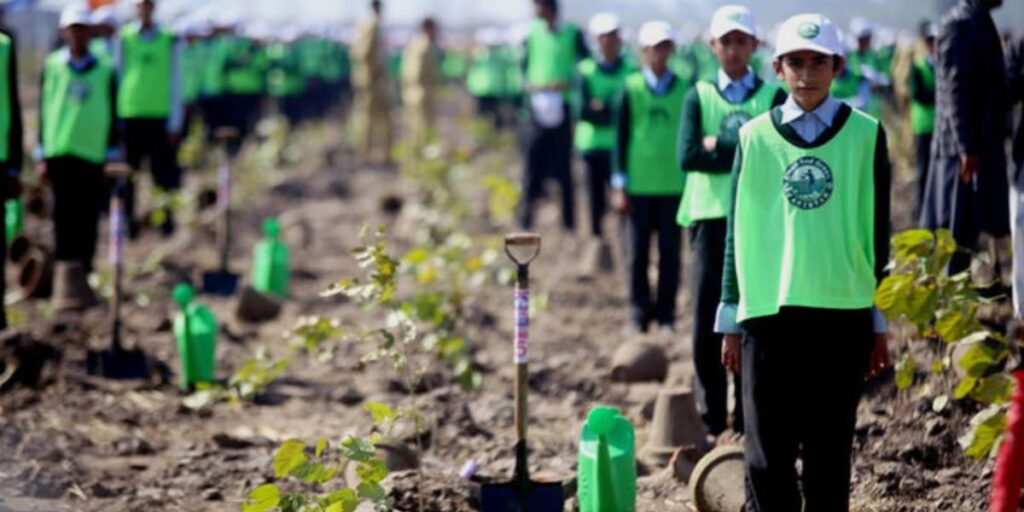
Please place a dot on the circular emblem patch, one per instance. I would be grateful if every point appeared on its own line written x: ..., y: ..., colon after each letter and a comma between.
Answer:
x: 808, y: 183
x: 79, y: 91
x: 808, y: 30
x: 729, y: 130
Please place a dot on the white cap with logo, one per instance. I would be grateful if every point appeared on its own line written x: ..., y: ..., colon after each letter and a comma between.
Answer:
x: 604, y: 23
x: 813, y: 32
x: 730, y: 18
x: 75, y: 14
x: 654, y: 33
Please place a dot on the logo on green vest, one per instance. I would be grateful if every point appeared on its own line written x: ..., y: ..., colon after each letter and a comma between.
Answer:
x: 808, y: 30
x: 658, y: 114
x: 79, y: 91
x: 808, y: 183
x: 729, y: 129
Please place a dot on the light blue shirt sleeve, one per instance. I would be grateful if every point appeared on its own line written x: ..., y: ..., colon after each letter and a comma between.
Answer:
x: 880, y: 324
x: 176, y: 119
x: 619, y: 180
x: 725, y: 319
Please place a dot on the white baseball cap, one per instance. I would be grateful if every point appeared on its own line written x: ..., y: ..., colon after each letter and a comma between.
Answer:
x: 75, y: 15
x: 604, y: 23
x: 105, y: 15
x: 654, y: 33
x: 861, y: 27
x: 814, y: 32
x: 729, y: 18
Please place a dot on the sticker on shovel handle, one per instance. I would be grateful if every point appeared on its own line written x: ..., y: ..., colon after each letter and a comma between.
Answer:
x: 118, y: 230
x: 223, y: 186
x: 522, y: 327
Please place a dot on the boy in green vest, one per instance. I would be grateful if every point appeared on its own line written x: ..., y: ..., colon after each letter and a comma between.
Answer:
x: 77, y: 135
x: 922, y: 106
x: 485, y: 80
x: 713, y: 112
x: 648, y: 185
x: 104, y: 28
x: 150, y: 105
x: 807, y: 243
x: 602, y: 78
x: 553, y: 50
x: 11, y: 150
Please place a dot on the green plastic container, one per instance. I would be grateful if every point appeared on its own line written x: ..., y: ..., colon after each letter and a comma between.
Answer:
x: 271, y: 259
x: 195, y: 329
x: 607, y: 465
x: 14, y: 217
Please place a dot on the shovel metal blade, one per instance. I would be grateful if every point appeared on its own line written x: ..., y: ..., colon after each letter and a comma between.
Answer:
x: 510, y: 497
x: 223, y: 284
x: 117, y: 364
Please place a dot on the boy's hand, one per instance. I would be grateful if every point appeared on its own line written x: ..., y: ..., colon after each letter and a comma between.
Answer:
x: 969, y: 166
x: 620, y: 202
x: 710, y: 143
x: 879, y: 359
x: 732, y: 352
x: 41, y: 170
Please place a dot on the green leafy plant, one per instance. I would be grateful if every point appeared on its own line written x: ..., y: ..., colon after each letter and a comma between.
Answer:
x: 250, y: 380
x: 317, y: 470
x: 944, y: 310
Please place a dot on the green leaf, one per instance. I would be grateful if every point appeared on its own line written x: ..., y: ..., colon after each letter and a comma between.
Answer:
x: 372, y: 471
x: 996, y: 389
x: 381, y: 412
x: 357, y: 449
x: 905, y: 368
x: 313, y: 473
x: 346, y: 497
x: 890, y: 295
x: 952, y: 325
x: 320, y: 446
x: 262, y: 499
x: 977, y: 359
x: 987, y: 428
x: 921, y: 304
x: 372, y: 491
x: 964, y: 387
x: 289, y: 456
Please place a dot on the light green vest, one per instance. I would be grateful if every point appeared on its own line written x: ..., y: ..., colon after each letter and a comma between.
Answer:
x: 551, y: 55
x: 654, y: 133
x: 922, y: 117
x: 804, y: 219
x: 707, y: 195
x: 146, y: 73
x: 76, y: 109
x: 486, y: 76
x: 606, y: 88
x: 245, y: 69
x: 6, y: 45
x: 215, y: 58
x: 285, y: 78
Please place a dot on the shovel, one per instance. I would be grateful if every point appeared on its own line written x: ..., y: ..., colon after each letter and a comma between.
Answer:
x: 522, y: 494
x: 116, y: 362
x: 222, y: 281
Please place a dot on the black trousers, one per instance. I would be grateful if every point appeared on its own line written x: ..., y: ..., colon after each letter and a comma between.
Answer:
x: 711, y: 387
x: 599, y: 175
x: 923, y: 155
x: 650, y: 215
x: 803, y: 374
x: 549, y: 156
x: 146, y: 139
x: 243, y: 113
x: 77, y: 201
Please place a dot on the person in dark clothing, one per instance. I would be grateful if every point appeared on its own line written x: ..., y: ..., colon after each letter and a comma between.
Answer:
x: 922, y: 107
x: 647, y: 185
x: 553, y: 50
x: 967, y: 186
x: 713, y: 113
x: 12, y: 153
x: 1015, y: 90
x: 602, y: 78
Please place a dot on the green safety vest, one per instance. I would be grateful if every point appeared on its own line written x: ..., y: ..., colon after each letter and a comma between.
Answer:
x: 486, y: 74
x: 331, y: 68
x: 99, y: 48
x: 216, y: 54
x: 76, y: 109
x: 803, y: 223
x: 551, y: 55
x: 922, y: 117
x: 245, y: 68
x: 707, y: 195
x: 605, y: 87
x: 146, y: 73
x: 654, y: 126
x: 512, y: 60
x: 6, y: 46
x: 285, y: 78
x: 191, y: 64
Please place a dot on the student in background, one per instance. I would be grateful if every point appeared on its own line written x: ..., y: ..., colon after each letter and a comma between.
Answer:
x: 648, y: 184
x: 12, y: 152
x: 922, y: 106
x: 713, y: 112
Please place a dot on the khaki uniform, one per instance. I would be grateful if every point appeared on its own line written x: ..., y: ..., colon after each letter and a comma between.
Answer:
x: 372, y: 98
x: 420, y: 82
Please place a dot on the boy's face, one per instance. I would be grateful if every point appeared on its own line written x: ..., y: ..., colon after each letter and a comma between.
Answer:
x: 808, y: 74
x: 77, y: 37
x: 734, y: 51
x: 145, y: 11
x: 610, y: 43
x: 657, y: 56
